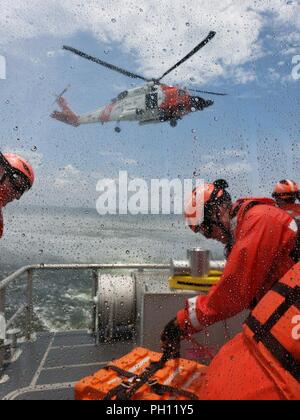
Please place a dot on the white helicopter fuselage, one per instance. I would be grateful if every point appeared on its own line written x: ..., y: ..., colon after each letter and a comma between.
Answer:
x: 139, y: 104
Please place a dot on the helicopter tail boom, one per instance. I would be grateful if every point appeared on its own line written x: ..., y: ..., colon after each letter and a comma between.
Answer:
x: 66, y: 115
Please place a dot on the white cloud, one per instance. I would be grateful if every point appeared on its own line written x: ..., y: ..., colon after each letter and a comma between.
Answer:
x: 244, y: 76
x: 217, y: 169
x: 158, y: 33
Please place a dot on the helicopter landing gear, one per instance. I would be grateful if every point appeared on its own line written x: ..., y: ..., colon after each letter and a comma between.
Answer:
x: 118, y: 129
x: 173, y: 123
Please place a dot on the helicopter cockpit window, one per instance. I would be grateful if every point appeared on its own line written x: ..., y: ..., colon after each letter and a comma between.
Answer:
x: 122, y: 95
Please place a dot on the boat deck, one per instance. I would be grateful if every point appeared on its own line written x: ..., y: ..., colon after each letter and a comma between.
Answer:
x: 49, y: 367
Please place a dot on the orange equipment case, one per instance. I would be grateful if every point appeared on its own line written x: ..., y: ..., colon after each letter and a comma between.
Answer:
x: 144, y: 370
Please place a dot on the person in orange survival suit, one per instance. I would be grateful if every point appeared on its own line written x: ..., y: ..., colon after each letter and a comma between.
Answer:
x: 16, y: 177
x: 286, y: 193
x: 262, y: 241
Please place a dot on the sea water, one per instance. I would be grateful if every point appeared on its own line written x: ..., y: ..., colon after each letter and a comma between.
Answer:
x: 62, y: 299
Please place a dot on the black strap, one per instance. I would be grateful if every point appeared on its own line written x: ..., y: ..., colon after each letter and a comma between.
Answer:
x: 120, y: 389
x: 126, y: 390
x: 116, y: 392
x: 120, y: 371
x: 145, y: 377
x: 292, y: 298
x: 291, y: 294
x: 165, y: 389
x: 280, y: 353
x: 262, y: 332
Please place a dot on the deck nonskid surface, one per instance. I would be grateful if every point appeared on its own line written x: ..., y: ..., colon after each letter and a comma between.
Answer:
x: 50, y: 366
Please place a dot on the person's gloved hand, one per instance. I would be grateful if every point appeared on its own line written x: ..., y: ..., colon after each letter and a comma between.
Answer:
x: 170, y: 340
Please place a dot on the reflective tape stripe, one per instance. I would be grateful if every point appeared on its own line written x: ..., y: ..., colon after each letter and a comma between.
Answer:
x: 193, y: 378
x: 171, y: 378
x: 192, y: 308
x: 293, y: 226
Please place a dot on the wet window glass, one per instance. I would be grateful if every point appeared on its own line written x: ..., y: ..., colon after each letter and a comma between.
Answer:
x: 116, y: 214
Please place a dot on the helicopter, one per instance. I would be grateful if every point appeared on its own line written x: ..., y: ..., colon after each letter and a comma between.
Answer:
x: 154, y: 102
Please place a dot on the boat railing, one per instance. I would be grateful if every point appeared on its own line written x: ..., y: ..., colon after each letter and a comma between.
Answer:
x: 25, y: 274
x: 28, y: 308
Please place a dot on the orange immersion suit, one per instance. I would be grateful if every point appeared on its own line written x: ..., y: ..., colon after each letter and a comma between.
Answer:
x: 265, y: 238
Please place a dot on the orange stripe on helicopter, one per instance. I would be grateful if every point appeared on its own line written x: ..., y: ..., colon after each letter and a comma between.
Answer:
x: 106, y: 113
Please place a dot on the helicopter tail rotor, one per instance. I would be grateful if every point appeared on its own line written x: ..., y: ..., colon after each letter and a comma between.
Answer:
x: 66, y: 115
x: 61, y: 94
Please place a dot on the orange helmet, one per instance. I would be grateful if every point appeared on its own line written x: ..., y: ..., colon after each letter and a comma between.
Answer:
x: 204, y: 200
x: 16, y: 165
x: 286, y: 190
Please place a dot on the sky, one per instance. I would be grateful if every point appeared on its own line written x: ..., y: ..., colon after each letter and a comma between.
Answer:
x: 251, y: 137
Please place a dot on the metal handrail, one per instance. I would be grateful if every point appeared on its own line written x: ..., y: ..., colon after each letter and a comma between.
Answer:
x: 29, y: 269
x: 28, y: 307
x: 4, y: 283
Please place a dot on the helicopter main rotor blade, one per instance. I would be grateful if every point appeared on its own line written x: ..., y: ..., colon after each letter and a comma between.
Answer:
x: 105, y: 64
x: 202, y: 44
x: 207, y: 92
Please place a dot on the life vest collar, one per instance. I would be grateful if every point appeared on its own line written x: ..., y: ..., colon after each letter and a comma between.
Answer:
x: 241, y: 206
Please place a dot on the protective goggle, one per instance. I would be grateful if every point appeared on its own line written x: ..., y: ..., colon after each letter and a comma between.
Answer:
x: 18, y: 181
x: 286, y: 195
x: 206, y: 227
